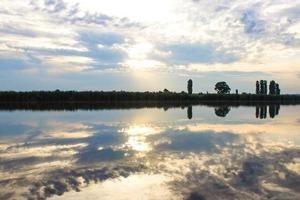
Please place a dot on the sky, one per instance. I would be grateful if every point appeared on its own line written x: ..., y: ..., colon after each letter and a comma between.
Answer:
x: 140, y: 45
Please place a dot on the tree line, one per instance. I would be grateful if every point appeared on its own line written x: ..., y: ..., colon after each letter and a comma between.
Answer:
x: 261, y: 87
x: 222, y: 95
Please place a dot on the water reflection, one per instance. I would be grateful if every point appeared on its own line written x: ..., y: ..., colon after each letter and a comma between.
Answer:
x: 190, y: 112
x: 222, y: 111
x: 129, y: 154
x: 260, y: 111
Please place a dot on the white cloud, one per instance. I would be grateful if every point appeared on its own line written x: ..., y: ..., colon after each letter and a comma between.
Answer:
x: 246, y: 35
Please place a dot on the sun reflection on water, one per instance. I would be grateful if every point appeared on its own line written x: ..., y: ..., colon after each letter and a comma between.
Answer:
x: 137, y: 135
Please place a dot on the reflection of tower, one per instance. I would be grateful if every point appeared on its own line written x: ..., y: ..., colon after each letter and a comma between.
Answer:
x: 257, y: 112
x: 190, y: 112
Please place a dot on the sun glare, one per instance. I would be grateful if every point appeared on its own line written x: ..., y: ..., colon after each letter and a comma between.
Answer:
x: 137, y: 139
x: 140, y: 130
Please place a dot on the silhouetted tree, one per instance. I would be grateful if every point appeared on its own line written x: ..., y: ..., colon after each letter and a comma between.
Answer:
x: 277, y: 89
x: 261, y: 89
x: 190, y: 86
x: 222, y: 88
x: 236, y: 91
x: 265, y: 87
x: 257, y: 87
x: 190, y: 112
x: 272, y: 87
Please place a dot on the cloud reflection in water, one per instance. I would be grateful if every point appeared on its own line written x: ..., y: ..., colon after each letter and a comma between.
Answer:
x: 198, y: 159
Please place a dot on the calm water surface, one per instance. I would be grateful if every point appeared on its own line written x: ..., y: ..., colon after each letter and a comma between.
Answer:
x: 181, y: 153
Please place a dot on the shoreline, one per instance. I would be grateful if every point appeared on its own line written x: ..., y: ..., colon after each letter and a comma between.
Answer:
x: 122, y: 96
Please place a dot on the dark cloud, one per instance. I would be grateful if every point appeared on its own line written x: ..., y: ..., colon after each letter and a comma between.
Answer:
x: 106, y: 55
x: 58, y: 182
x: 94, y: 155
x: 15, y: 164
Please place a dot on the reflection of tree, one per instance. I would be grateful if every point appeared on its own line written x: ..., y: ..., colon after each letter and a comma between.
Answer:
x: 222, y: 111
x: 277, y: 109
x: 274, y: 110
x: 261, y: 111
x: 190, y: 112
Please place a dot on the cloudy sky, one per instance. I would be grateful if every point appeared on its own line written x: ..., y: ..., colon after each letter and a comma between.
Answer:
x: 148, y: 45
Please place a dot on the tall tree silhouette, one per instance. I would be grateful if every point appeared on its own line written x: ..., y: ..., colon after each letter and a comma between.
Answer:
x: 265, y: 87
x: 272, y: 87
x: 257, y: 87
x: 261, y: 89
x: 277, y: 89
x: 190, y: 86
